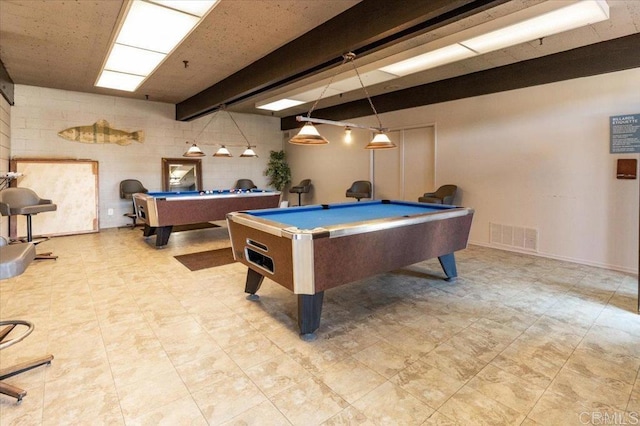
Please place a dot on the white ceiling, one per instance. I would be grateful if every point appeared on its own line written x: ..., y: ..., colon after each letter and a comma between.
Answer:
x: 62, y: 44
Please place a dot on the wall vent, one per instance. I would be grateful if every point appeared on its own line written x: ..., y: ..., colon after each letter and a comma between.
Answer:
x: 514, y: 236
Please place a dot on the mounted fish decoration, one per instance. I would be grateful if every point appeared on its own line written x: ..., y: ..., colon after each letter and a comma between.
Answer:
x: 101, y: 132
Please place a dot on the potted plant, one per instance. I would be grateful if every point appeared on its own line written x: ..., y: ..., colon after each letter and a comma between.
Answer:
x: 278, y: 170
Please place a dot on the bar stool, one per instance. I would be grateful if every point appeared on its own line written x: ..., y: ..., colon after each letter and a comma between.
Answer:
x: 5, y: 388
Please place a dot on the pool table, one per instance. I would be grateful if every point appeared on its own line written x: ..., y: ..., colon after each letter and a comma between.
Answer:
x: 161, y: 211
x: 311, y: 249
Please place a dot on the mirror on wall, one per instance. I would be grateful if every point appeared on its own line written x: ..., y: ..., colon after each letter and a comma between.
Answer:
x: 181, y: 174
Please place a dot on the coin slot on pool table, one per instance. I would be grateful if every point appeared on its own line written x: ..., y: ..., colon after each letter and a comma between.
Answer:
x: 259, y: 259
x: 257, y: 244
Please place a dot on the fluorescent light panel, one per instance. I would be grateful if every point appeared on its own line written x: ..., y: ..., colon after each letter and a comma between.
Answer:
x: 118, y: 80
x: 150, y: 31
x: 280, y: 105
x: 575, y: 15
x: 564, y: 19
x: 435, y: 58
x: 153, y: 27
x: 132, y: 60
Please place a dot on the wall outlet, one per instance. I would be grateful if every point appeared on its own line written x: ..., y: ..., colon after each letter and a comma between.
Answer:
x: 110, y: 212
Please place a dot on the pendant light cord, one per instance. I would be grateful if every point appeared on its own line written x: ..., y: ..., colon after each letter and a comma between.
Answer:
x: 348, y: 57
x: 315, y: 104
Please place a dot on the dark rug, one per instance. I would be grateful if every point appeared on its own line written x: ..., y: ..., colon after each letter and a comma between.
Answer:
x: 193, y: 226
x: 206, y: 259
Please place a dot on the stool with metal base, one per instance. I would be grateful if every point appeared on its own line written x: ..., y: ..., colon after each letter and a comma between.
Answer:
x: 302, y: 188
x: 16, y: 201
x: 5, y: 388
x: 128, y: 187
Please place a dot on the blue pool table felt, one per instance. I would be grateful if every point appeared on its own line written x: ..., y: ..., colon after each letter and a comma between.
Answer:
x: 315, y: 216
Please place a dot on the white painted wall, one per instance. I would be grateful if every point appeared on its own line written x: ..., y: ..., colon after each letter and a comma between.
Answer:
x: 40, y: 113
x: 332, y: 167
x: 536, y: 157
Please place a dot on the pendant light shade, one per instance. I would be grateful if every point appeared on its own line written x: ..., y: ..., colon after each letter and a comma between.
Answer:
x: 194, y: 151
x: 222, y: 152
x: 308, y: 135
x: 249, y: 153
x: 380, y: 141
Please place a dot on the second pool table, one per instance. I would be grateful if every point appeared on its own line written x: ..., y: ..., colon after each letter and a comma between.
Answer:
x: 311, y: 249
x: 161, y: 211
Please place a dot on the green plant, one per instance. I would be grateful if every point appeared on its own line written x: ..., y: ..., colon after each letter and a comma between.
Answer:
x: 278, y: 170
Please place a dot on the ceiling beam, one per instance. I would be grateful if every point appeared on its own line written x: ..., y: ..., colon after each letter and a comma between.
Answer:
x: 600, y: 58
x: 6, y: 84
x: 363, y: 29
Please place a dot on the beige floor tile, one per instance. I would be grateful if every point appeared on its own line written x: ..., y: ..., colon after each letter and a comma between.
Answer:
x: 276, y: 374
x: 512, y: 391
x: 309, y: 402
x: 591, y: 391
x: 253, y: 350
x: 264, y: 414
x: 350, y: 379
x: 594, y: 363
x: 439, y: 419
x: 151, y: 393
x: 483, y: 341
x: 27, y: 412
x: 470, y: 407
x: 208, y: 370
x: 136, y: 364
x: 388, y: 404
x: 227, y: 399
x: 457, y: 364
x: 349, y: 416
x: 115, y: 323
x: 634, y: 400
x: 315, y: 356
x: 553, y: 409
x: 427, y: 383
x: 84, y: 405
x: 183, y: 411
x: 385, y: 359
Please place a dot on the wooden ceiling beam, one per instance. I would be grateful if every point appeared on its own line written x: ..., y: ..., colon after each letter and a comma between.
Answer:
x: 600, y: 58
x: 363, y: 29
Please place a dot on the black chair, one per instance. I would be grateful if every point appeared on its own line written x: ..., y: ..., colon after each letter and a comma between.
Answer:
x: 360, y: 189
x: 128, y: 187
x: 444, y: 195
x: 244, y: 184
x: 15, y: 201
x: 302, y: 188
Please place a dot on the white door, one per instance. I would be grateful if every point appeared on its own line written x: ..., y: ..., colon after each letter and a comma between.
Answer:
x: 407, y: 172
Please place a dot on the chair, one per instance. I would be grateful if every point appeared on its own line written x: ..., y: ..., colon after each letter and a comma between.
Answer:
x: 360, y: 189
x: 302, y: 188
x: 244, y: 184
x: 444, y: 195
x: 15, y: 201
x: 14, y: 259
x: 128, y: 187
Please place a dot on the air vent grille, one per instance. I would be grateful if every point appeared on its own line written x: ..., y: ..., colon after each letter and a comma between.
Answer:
x: 514, y: 236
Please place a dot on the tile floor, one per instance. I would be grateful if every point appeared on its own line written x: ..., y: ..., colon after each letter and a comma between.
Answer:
x: 140, y: 340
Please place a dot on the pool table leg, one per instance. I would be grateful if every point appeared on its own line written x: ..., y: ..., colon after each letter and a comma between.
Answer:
x: 253, y: 283
x: 161, y: 232
x: 162, y: 235
x: 309, y: 310
x: 448, y: 263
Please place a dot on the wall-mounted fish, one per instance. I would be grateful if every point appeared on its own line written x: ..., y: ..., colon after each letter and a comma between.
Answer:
x: 101, y: 132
